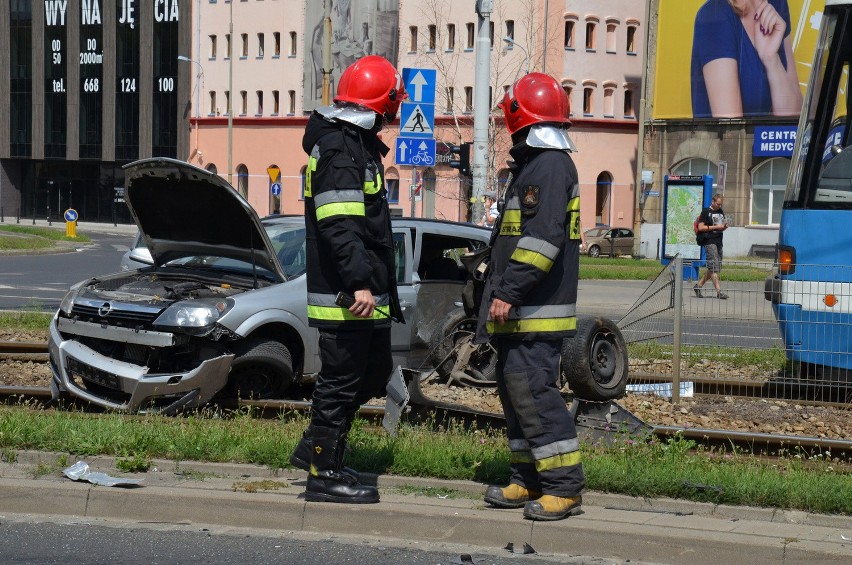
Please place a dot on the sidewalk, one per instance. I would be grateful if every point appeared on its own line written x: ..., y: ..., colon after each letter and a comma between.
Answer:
x: 82, y: 227
x: 614, y: 528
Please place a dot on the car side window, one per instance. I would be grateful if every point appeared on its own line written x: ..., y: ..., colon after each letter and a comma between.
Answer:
x: 399, y: 256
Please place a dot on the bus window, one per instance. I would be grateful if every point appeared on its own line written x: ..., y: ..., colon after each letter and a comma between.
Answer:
x: 835, y: 182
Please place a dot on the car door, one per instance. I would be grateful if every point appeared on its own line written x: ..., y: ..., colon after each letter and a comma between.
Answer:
x: 401, y: 333
x: 624, y: 243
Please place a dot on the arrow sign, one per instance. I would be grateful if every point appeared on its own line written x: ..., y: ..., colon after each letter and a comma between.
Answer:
x: 402, y: 151
x: 420, y: 84
x: 416, y: 152
x: 275, y: 188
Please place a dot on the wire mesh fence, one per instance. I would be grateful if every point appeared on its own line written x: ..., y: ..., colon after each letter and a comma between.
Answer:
x: 684, y: 340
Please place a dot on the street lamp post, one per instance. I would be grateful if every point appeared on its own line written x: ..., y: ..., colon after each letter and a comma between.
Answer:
x: 514, y: 43
x: 199, y: 80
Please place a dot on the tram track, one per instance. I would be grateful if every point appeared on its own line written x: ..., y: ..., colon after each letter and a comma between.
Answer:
x: 438, y: 413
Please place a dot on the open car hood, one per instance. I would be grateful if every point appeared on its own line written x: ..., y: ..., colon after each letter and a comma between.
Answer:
x: 185, y: 211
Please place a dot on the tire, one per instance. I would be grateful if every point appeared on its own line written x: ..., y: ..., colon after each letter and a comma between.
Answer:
x: 262, y: 369
x: 594, y: 251
x: 457, y: 329
x: 594, y: 361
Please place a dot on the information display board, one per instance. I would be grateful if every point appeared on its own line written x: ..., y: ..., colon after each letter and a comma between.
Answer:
x: 683, y: 199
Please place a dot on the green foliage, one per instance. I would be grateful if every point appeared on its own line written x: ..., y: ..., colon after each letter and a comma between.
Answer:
x: 134, y: 464
x: 50, y: 234
x: 25, y: 321
x: 676, y: 468
x: 772, y: 360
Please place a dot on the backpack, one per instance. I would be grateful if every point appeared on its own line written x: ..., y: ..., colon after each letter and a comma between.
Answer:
x: 700, y: 237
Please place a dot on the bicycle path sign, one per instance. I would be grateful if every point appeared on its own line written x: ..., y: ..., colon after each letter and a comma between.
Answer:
x: 415, y: 151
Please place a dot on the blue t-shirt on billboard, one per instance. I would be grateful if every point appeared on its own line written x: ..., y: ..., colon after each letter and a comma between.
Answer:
x: 719, y: 34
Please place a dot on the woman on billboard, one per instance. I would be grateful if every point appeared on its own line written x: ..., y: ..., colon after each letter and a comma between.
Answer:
x: 742, y: 60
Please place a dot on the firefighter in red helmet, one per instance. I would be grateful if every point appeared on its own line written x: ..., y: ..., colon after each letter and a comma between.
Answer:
x: 529, y: 302
x: 350, y: 254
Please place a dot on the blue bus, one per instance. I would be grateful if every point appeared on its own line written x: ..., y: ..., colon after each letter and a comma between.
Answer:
x: 811, y: 290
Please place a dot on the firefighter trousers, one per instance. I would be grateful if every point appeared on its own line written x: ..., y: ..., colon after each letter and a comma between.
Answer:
x: 545, y: 452
x: 356, y: 366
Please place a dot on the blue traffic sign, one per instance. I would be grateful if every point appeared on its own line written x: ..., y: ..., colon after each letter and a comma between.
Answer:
x: 71, y: 215
x: 417, y: 120
x: 275, y: 187
x: 420, y: 84
x: 415, y: 151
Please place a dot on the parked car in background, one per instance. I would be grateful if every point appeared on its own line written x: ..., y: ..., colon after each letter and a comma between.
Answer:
x: 607, y: 241
x: 211, y: 301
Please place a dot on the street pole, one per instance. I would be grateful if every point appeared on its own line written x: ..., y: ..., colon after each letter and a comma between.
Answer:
x: 326, y: 54
x: 231, y: 96
x: 544, y: 49
x: 640, y: 145
x: 481, y: 105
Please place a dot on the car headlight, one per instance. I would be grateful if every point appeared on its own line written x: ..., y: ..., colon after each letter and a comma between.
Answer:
x: 194, y: 317
x: 67, y: 303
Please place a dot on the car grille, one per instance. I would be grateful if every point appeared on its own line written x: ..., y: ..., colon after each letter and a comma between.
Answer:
x: 115, y: 316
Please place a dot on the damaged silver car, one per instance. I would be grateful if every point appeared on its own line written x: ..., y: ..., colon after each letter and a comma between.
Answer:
x: 220, y: 312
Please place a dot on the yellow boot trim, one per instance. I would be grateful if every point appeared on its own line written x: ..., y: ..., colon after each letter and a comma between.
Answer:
x: 550, y: 507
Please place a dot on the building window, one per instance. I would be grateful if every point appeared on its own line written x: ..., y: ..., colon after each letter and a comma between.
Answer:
x: 275, y: 100
x: 212, y: 111
x: 392, y: 185
x: 276, y: 39
x: 628, y: 103
x: 768, y: 182
x: 451, y: 37
x: 293, y: 44
x: 227, y: 102
x: 609, y: 103
x: 510, y: 29
x: 260, y: 46
x: 569, y: 90
x: 212, y: 54
x: 259, y: 103
x: 695, y: 166
x: 412, y: 39
x: 433, y: 37
x: 471, y: 36
x: 244, y: 49
x: 468, y: 99
x: 610, y: 38
x: 242, y: 180
x: 244, y: 102
x: 450, y: 95
x: 228, y: 45
x: 590, y: 36
x: 491, y: 35
x: 631, y: 39
x: 569, y: 34
x: 302, y: 174
x: 292, y: 101
x: 587, y: 101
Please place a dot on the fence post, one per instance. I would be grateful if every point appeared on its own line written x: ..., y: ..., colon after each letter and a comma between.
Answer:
x: 678, y: 316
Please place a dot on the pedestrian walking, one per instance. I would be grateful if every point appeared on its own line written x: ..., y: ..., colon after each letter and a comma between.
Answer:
x: 351, y: 282
x: 712, y: 224
x: 529, y: 303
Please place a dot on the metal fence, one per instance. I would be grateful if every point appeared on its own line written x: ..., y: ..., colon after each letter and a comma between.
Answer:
x: 681, y: 343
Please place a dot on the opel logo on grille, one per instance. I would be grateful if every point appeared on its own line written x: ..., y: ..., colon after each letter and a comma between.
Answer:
x: 104, y: 309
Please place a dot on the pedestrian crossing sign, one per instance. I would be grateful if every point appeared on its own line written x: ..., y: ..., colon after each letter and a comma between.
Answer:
x: 417, y: 120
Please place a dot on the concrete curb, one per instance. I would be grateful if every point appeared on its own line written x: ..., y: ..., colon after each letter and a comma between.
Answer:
x: 612, y: 526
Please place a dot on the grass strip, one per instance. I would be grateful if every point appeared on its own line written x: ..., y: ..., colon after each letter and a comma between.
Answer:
x: 675, y: 468
x: 50, y: 234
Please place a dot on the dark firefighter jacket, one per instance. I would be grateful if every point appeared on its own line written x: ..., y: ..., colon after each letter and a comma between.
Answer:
x: 535, y: 247
x: 349, y: 239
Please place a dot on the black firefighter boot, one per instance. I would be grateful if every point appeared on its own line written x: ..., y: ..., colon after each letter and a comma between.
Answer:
x: 326, y: 483
x: 301, y: 456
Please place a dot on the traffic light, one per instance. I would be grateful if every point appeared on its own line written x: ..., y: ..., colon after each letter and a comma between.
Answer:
x: 460, y: 158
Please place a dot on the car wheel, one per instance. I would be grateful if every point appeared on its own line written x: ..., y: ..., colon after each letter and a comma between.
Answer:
x: 594, y: 361
x: 458, y: 330
x: 594, y: 251
x: 262, y: 369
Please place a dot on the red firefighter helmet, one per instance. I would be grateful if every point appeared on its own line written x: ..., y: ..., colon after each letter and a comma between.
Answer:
x: 533, y: 99
x: 372, y: 82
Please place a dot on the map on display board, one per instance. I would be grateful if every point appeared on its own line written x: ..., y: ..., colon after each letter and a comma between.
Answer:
x: 684, y: 200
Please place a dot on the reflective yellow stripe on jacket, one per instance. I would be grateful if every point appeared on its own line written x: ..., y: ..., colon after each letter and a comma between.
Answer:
x: 528, y: 319
x: 323, y: 307
x: 536, y: 252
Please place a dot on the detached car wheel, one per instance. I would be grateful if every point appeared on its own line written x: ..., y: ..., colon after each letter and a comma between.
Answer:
x: 458, y: 330
x: 262, y: 369
x: 594, y: 361
x: 594, y: 251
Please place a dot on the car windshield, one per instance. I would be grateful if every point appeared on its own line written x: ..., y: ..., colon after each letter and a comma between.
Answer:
x: 287, y: 236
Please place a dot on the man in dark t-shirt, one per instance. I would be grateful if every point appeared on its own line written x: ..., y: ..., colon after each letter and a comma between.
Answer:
x: 712, y: 223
